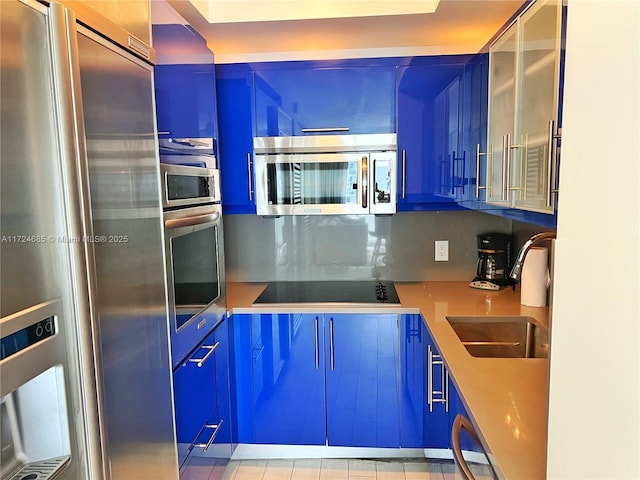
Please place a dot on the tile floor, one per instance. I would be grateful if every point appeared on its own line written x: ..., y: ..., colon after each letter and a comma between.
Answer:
x: 199, y: 468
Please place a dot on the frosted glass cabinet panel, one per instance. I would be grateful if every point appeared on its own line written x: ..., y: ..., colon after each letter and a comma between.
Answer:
x: 502, y: 90
x: 524, y: 91
x: 538, y: 105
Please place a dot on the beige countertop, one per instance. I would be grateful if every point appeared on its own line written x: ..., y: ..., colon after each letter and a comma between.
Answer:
x: 506, y: 398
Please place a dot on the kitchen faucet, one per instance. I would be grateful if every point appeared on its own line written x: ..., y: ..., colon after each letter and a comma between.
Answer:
x: 516, y: 271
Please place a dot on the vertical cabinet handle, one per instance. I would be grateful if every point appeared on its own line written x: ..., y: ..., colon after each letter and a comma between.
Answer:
x: 249, y: 176
x: 331, y: 346
x: 506, y: 155
x: 434, y: 396
x: 551, y: 164
x: 317, y: 334
x: 404, y: 169
x: 478, y: 155
x: 365, y: 181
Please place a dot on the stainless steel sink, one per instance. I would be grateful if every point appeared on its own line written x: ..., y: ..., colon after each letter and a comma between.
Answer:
x: 502, y: 337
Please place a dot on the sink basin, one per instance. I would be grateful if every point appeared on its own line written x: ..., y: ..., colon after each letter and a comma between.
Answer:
x: 502, y: 337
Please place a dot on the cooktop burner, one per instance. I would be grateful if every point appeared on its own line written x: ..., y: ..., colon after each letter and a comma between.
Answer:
x: 329, y: 292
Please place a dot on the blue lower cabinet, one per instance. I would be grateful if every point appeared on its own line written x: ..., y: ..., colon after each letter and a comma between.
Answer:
x: 362, y: 380
x: 242, y: 379
x: 194, y: 395
x: 412, y: 380
x: 288, y: 379
x: 221, y: 339
x: 439, y: 406
x: 286, y: 365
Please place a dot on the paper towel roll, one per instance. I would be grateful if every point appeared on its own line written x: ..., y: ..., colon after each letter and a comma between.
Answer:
x: 535, y: 278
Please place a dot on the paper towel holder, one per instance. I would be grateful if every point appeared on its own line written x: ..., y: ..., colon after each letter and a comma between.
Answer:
x: 516, y: 271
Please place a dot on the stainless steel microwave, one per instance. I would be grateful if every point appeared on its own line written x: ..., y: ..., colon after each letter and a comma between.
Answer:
x: 189, y: 185
x: 326, y: 175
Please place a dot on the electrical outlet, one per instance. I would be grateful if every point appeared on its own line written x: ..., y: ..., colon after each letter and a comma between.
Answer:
x: 442, y: 250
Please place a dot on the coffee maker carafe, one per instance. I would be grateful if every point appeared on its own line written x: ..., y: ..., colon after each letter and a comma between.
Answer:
x: 494, y: 257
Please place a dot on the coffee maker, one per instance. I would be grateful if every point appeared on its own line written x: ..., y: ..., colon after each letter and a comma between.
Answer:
x: 494, y: 262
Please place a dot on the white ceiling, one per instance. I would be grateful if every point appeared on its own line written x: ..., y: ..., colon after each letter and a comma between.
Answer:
x: 457, y: 26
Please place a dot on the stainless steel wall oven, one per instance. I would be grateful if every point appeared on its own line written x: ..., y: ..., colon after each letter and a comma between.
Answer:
x: 194, y: 259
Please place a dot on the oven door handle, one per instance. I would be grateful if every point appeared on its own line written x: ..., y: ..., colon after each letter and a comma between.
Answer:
x: 191, y: 221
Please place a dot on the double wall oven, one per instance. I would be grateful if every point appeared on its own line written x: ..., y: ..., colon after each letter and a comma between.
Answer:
x: 192, y: 217
x: 193, y: 235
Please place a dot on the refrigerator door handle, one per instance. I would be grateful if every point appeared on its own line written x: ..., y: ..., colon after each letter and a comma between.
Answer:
x: 78, y: 216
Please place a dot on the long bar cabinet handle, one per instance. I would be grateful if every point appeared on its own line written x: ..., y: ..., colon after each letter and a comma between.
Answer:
x: 435, y: 359
x: 365, y: 181
x: 505, y: 156
x: 249, y: 176
x: 324, y: 129
x: 200, y: 361
x: 551, y: 164
x: 216, y: 428
x: 404, y: 169
x: 478, y: 155
x: 317, y: 334
x: 331, y: 346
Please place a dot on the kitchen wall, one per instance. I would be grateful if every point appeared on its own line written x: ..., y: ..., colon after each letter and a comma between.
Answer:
x: 398, y: 247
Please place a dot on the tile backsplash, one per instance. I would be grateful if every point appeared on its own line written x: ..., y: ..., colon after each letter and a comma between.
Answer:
x: 343, y: 247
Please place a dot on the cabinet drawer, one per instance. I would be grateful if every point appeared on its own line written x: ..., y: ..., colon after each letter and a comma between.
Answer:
x: 194, y: 385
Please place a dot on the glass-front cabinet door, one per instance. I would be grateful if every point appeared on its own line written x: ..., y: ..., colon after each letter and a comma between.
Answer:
x: 502, y: 94
x: 538, y: 105
x: 524, y: 92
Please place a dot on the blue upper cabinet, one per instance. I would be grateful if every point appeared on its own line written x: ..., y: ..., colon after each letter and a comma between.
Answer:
x: 302, y: 98
x: 234, y: 84
x: 474, y: 130
x: 430, y: 151
x: 185, y: 101
x: 184, y: 84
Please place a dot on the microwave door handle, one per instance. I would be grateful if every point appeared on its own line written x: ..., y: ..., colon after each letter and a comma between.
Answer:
x: 191, y: 221
x: 365, y: 181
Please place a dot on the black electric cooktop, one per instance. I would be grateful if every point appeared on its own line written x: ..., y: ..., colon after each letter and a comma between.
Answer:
x: 370, y: 292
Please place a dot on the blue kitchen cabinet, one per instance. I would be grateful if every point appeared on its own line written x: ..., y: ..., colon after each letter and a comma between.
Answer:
x: 412, y: 380
x: 299, y: 98
x: 185, y: 91
x: 440, y: 399
x: 288, y: 379
x: 201, y: 396
x: 186, y: 101
x: 195, y: 378
x: 427, y: 394
x: 430, y: 151
x: 234, y: 86
x: 472, y: 189
x: 361, y: 361
x: 279, y: 378
x: 288, y: 364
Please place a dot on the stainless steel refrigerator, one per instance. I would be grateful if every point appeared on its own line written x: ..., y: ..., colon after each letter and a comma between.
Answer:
x: 82, y: 237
